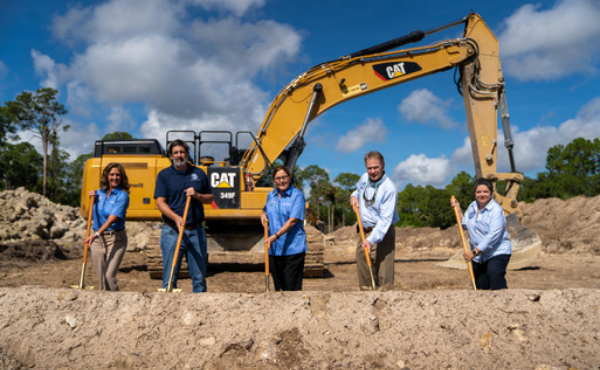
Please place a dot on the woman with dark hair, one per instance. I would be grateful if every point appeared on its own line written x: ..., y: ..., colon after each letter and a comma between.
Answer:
x: 108, y: 243
x: 287, y: 240
x: 490, y: 244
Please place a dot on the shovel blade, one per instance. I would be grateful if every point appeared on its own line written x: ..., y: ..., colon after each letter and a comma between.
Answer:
x: 162, y: 290
x: 85, y: 287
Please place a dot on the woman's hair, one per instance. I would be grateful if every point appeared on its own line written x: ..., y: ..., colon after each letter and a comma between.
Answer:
x: 282, y: 168
x: 487, y: 183
x: 124, y: 180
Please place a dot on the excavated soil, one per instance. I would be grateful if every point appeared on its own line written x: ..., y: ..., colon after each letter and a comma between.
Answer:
x: 548, y: 319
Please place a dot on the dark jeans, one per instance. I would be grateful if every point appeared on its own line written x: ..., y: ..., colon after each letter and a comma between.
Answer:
x: 490, y: 275
x: 287, y: 271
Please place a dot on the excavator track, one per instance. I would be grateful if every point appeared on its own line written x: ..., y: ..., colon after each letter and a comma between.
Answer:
x: 313, y: 263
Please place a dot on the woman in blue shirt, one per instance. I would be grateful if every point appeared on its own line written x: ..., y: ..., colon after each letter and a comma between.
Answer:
x: 490, y: 244
x: 108, y: 243
x: 287, y: 240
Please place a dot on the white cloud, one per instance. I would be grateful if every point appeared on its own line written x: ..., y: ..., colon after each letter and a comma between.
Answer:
x: 120, y: 120
x: 116, y: 20
x: 44, y: 66
x: 421, y: 170
x: 238, y: 7
x: 191, y: 71
x: 538, y: 44
x: 79, y: 139
x: 373, y: 131
x: 424, y: 107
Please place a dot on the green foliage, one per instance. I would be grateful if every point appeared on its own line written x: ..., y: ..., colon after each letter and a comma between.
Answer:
x: 39, y: 113
x: 117, y: 135
x: 8, y: 125
x: 346, y: 185
x: 571, y: 170
x: 321, y: 190
x: 21, y: 165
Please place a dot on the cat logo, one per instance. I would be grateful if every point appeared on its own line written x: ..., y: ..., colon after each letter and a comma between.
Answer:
x: 222, y: 179
x: 389, y: 71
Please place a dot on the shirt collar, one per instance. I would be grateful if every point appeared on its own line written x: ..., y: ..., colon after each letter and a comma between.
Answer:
x: 488, y: 206
x: 376, y: 183
x: 287, y: 192
x: 184, y: 172
x: 115, y: 191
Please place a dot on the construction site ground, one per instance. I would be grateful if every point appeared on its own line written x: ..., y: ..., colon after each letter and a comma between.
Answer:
x: 549, y: 318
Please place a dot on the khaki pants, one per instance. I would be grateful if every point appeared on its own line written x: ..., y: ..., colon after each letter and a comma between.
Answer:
x: 382, y: 260
x: 107, y: 255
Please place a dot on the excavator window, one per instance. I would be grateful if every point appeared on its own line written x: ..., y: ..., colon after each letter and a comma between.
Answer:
x: 130, y: 147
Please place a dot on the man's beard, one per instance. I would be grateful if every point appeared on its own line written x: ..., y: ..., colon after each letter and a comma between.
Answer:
x: 179, y: 164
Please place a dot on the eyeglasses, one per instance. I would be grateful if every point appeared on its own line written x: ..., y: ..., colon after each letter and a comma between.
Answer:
x: 282, y: 178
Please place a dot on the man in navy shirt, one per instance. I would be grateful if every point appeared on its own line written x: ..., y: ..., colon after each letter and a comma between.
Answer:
x: 173, y: 185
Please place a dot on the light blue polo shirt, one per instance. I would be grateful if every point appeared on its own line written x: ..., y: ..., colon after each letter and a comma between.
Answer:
x: 279, y: 211
x: 115, y: 204
x: 487, y: 231
x: 381, y: 211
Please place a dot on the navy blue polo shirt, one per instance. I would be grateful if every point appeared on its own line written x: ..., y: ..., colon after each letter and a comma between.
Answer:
x: 171, y: 184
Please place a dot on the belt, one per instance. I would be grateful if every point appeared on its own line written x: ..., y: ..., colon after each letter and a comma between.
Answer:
x: 365, y: 229
x: 111, y: 232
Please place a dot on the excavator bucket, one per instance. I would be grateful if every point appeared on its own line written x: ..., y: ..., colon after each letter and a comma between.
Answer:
x: 526, y: 246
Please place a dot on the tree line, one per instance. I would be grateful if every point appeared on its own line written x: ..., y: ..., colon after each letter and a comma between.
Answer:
x: 571, y: 170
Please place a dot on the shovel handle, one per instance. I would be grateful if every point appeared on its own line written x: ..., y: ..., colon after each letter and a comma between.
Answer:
x: 362, y: 234
x: 87, y: 235
x: 267, y: 246
x: 176, y: 255
x: 464, y: 242
x: 362, y: 238
x: 89, y: 226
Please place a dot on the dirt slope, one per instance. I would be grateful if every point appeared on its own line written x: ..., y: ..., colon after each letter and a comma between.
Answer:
x: 317, y: 330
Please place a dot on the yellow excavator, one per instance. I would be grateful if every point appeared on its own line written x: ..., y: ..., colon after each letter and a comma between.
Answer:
x: 232, y: 220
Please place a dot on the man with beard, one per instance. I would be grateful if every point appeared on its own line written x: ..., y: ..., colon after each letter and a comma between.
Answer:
x: 173, y: 185
x: 377, y: 200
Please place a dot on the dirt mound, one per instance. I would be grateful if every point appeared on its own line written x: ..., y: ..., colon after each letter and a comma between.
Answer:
x: 30, y: 217
x: 317, y: 330
x: 566, y: 226
x: 31, y: 252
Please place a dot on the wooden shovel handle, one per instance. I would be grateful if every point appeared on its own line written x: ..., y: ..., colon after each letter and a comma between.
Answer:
x: 89, y: 227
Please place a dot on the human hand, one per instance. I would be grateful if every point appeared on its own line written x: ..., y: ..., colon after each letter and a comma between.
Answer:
x: 454, y: 203
x: 354, y: 202
x: 367, y: 246
x: 190, y: 192
x: 91, y: 193
x: 179, y: 222
x: 90, y: 239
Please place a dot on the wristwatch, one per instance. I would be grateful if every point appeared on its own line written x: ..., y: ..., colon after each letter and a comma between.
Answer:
x: 475, y: 253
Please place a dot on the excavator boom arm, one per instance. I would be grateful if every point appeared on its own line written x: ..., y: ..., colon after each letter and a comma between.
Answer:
x: 370, y: 70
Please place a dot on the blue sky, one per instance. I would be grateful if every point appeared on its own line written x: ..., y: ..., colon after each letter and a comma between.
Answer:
x: 147, y: 66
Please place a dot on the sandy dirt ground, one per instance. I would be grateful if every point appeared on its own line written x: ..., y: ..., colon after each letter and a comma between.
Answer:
x: 549, y: 318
